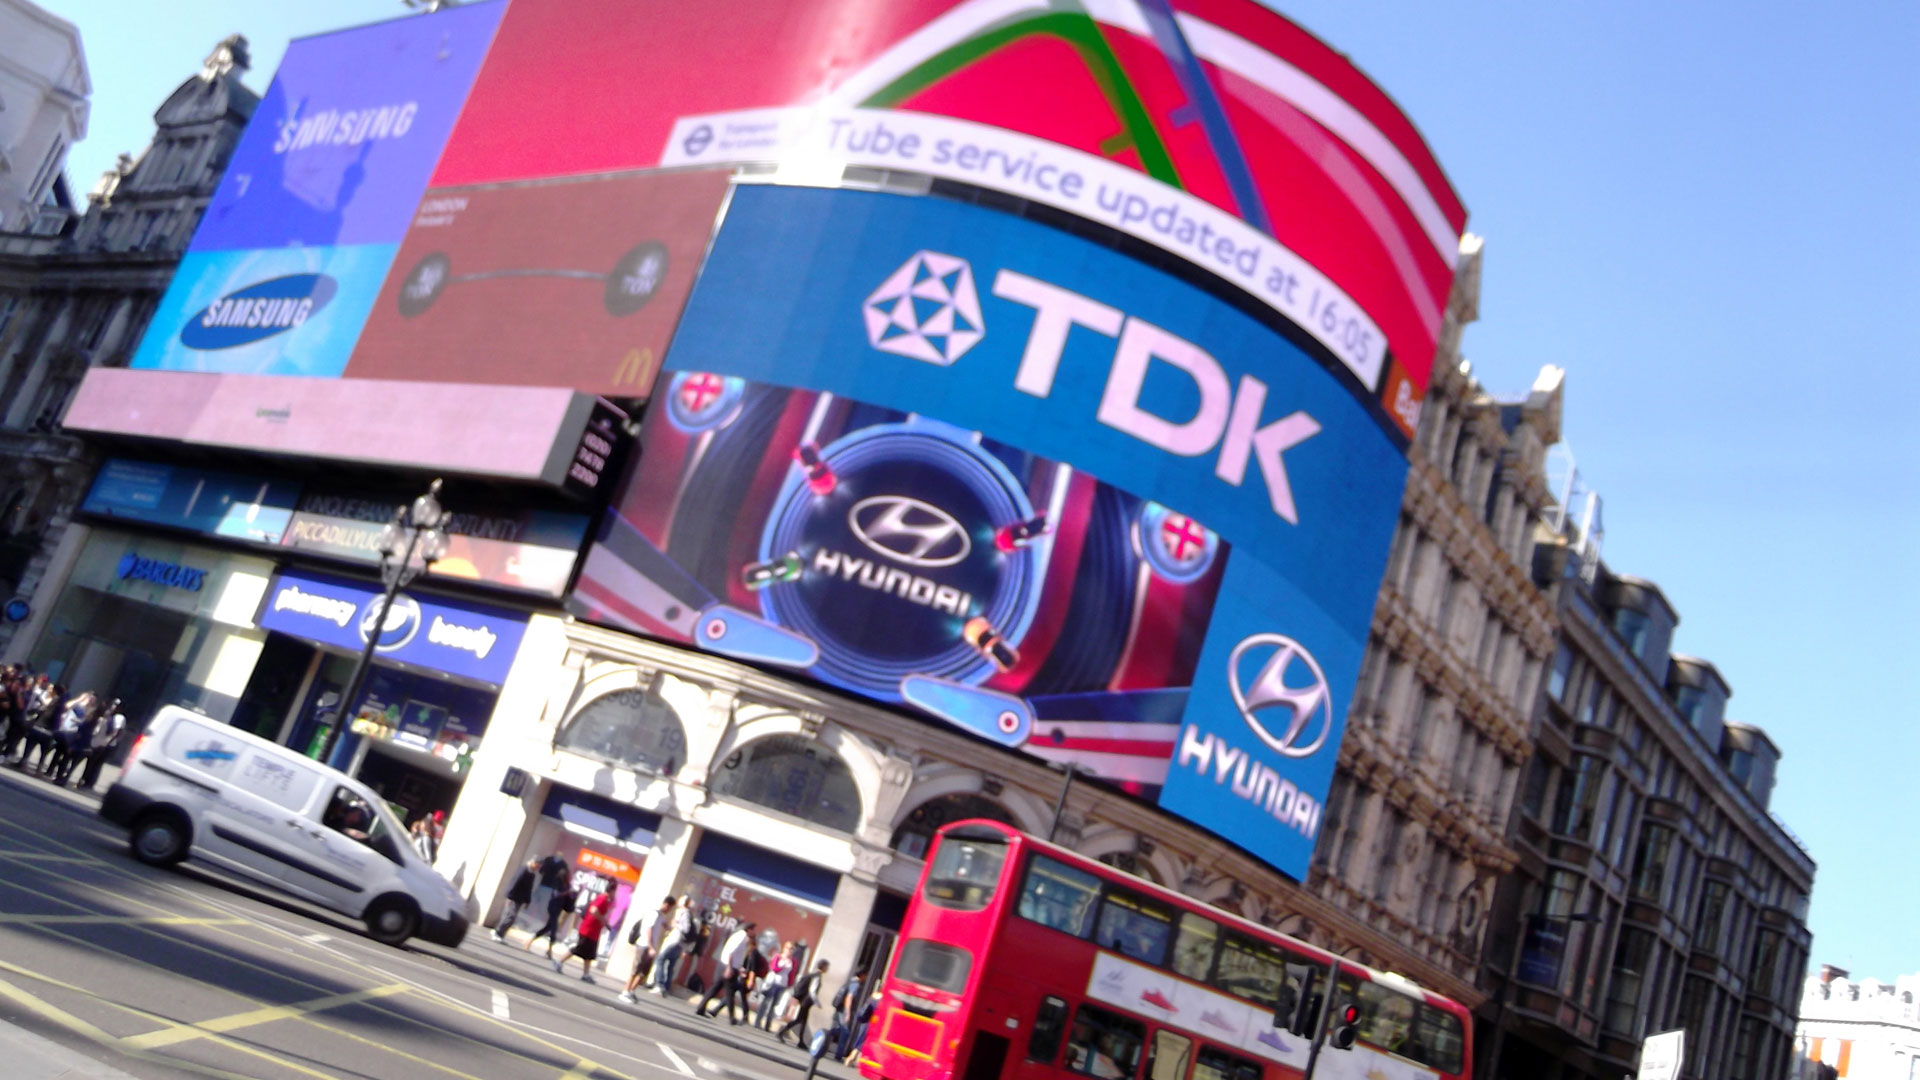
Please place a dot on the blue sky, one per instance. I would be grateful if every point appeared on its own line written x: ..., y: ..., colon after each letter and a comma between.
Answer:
x: 1705, y: 213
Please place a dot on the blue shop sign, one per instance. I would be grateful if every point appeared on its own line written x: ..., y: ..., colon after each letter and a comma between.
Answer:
x: 172, y: 575
x: 471, y: 641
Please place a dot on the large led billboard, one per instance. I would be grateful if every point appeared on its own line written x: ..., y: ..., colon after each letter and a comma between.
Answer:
x: 964, y: 463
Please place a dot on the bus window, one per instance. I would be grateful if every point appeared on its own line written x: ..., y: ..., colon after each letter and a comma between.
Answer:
x: 1219, y: 1065
x: 1059, y: 896
x: 1193, y: 948
x: 1167, y: 1057
x: 1254, y: 970
x: 932, y: 964
x: 1104, y: 1044
x: 1134, y: 926
x: 1048, y: 1025
x: 1401, y: 1024
x: 965, y: 873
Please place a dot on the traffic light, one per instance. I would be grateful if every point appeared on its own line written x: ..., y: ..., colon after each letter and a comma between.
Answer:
x: 1346, y: 1027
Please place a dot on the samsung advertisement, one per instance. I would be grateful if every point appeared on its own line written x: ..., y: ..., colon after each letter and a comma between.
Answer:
x: 963, y: 463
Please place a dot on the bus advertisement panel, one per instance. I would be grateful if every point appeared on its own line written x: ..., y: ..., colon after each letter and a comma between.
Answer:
x: 958, y: 461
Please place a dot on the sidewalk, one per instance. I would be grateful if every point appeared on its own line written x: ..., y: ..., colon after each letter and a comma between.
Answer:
x: 512, y: 958
x: 30, y: 1057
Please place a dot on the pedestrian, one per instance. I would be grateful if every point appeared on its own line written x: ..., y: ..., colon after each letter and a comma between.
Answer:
x: 560, y: 904
x: 519, y: 895
x: 26, y: 697
x: 737, y: 957
x: 862, y: 1019
x: 647, y: 933
x: 679, y: 935
x: 74, y: 739
x: 780, y: 973
x: 106, y: 735
x: 46, y: 724
x: 421, y: 834
x: 846, y: 1007
x: 805, y: 993
x: 696, y: 945
x: 9, y: 702
x: 586, y: 944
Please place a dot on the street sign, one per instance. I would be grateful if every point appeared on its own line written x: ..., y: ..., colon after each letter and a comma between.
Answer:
x: 514, y: 783
x: 1660, y: 1056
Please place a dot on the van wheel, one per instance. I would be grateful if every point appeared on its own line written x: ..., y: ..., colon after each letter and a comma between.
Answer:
x: 158, y: 840
x: 392, y: 920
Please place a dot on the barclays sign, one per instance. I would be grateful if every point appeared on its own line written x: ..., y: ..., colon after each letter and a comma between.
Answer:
x: 171, y: 575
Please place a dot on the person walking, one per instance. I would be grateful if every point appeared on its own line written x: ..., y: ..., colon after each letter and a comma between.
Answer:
x: 647, y: 933
x: 74, y: 739
x: 846, y: 1007
x: 780, y: 974
x: 696, y: 947
x: 737, y: 957
x: 805, y: 993
x: 421, y: 835
x: 679, y: 935
x: 586, y: 944
x: 49, y: 724
x: 43, y: 713
x: 106, y: 735
x: 560, y: 904
x: 519, y: 895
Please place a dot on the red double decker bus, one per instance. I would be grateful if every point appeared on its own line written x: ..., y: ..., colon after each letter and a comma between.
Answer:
x: 1018, y: 958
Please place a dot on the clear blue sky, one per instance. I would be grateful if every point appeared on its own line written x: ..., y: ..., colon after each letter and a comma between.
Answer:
x: 1706, y: 213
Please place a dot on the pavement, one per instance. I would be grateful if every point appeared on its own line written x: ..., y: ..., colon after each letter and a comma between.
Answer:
x: 111, y: 970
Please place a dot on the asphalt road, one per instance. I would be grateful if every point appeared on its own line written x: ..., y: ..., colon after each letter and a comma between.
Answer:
x: 111, y: 968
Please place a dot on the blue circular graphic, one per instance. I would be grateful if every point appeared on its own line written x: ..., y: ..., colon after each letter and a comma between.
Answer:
x: 1178, y: 548
x: 898, y: 557
x: 18, y: 610
x: 700, y: 401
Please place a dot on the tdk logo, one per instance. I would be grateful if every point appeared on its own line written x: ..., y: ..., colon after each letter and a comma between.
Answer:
x: 909, y: 531
x: 927, y: 310
x: 258, y: 311
x: 1282, y: 694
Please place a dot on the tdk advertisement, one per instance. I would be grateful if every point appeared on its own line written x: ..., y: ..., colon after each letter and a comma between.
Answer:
x: 299, y: 236
x: 957, y: 461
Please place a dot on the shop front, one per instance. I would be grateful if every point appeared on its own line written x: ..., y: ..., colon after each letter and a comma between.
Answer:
x: 438, y: 666
x: 156, y: 621
x: 605, y: 845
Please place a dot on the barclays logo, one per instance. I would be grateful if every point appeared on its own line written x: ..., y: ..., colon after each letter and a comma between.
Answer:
x: 172, y: 575
x: 1299, y: 709
x: 259, y: 311
x: 909, y: 531
x: 401, y: 624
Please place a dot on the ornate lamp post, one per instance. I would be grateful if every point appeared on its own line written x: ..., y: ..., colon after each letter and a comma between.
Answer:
x: 411, y: 543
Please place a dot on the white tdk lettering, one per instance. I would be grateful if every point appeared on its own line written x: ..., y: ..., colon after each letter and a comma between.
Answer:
x: 1225, y: 418
x: 1249, y: 779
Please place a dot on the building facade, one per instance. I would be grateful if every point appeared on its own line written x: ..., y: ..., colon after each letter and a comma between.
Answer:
x: 1864, y: 1029
x: 1654, y: 890
x: 44, y: 91
x: 77, y: 292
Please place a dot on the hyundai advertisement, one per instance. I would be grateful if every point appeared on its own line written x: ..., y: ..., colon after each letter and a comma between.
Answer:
x: 290, y: 255
x: 960, y: 462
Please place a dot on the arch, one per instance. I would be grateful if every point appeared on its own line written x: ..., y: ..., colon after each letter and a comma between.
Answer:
x: 1130, y: 862
x: 915, y: 832
x: 636, y: 728
x: 791, y: 774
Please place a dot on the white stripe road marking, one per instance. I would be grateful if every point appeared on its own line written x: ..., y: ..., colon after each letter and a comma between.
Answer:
x: 317, y: 939
x: 675, y: 1058
x: 500, y: 1005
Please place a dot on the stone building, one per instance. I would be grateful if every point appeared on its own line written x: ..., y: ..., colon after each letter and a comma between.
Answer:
x: 77, y: 291
x: 44, y: 88
x: 1865, y: 1030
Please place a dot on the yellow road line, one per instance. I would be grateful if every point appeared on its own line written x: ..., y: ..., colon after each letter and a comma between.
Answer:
x: 118, y: 920
x: 24, y: 856
x: 201, y: 1029
x: 581, y: 1070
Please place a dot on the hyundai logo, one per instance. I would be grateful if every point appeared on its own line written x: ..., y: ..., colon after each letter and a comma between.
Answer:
x: 258, y: 311
x: 909, y: 531
x: 1307, y: 708
x: 403, y: 622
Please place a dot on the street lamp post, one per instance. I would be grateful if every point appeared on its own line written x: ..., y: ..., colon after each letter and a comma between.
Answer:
x: 416, y: 531
x: 1072, y: 769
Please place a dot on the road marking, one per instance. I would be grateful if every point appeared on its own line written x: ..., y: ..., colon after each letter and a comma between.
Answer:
x: 500, y: 1005
x: 254, y: 1017
x: 675, y: 1058
x: 317, y: 939
x: 581, y: 1070
x: 118, y: 920
x: 23, y: 856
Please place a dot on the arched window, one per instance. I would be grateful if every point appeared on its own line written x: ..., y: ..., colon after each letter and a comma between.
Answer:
x: 793, y: 775
x: 915, y: 835
x: 1130, y: 863
x: 635, y: 728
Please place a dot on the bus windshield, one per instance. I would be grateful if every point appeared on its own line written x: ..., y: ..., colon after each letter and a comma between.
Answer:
x: 1401, y: 1024
x: 966, y: 872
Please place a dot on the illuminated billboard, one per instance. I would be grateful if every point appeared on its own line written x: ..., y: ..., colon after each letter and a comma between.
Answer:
x: 1215, y: 130
x: 960, y: 462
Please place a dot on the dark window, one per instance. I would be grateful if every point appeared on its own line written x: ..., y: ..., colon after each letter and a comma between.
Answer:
x: 1212, y: 1064
x: 1193, y: 948
x: 1650, y: 863
x: 1401, y: 1024
x: 633, y: 728
x: 965, y: 873
x: 1632, y: 626
x: 1104, y: 1044
x: 1259, y: 971
x: 1631, y: 974
x: 915, y: 835
x: 1049, y: 1024
x: 1134, y: 926
x: 1059, y: 896
x: 934, y: 965
x: 792, y: 774
x: 1560, y: 673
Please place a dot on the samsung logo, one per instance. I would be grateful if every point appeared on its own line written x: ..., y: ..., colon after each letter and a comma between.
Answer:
x: 345, y: 127
x: 258, y: 311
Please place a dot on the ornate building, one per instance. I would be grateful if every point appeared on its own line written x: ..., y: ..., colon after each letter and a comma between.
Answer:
x: 43, y: 109
x: 1440, y: 724
x: 1859, y: 1029
x: 77, y: 290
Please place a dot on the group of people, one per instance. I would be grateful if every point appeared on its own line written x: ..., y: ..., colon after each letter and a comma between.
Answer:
x: 61, y: 734
x: 668, y: 943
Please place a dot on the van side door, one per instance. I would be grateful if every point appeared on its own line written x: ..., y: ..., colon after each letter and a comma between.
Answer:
x: 354, y: 842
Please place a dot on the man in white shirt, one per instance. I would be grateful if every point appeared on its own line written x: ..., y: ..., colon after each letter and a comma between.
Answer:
x: 647, y: 933
x: 679, y: 931
x: 733, y: 981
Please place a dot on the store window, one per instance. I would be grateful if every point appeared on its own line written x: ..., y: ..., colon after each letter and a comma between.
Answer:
x: 635, y: 728
x: 794, y: 775
x: 915, y: 835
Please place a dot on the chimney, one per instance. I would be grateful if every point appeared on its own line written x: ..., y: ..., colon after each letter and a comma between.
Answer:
x: 1828, y: 973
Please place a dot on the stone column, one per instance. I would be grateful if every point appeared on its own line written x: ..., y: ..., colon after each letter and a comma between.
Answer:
x: 662, y: 875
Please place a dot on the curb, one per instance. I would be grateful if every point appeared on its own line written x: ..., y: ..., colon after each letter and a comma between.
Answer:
x: 31, y: 1057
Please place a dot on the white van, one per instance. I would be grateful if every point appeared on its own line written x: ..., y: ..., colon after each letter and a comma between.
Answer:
x: 194, y: 786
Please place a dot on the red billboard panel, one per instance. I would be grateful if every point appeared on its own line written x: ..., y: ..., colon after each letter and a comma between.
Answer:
x: 573, y: 283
